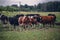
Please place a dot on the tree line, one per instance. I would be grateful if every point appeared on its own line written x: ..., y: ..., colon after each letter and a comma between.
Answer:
x: 41, y: 7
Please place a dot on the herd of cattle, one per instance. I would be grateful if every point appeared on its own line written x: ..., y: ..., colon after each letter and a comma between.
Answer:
x: 29, y: 19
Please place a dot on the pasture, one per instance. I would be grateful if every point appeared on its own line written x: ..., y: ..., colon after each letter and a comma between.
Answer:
x: 41, y: 13
x: 34, y: 34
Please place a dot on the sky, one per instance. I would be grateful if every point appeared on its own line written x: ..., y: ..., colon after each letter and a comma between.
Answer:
x: 29, y: 2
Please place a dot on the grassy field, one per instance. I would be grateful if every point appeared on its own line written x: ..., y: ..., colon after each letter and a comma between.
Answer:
x: 41, y: 13
x: 41, y: 34
x: 45, y: 34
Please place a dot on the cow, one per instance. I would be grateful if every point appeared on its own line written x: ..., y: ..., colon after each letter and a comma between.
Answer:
x: 4, y: 19
x: 47, y: 20
x: 14, y: 20
x: 34, y: 18
x: 33, y: 21
x: 53, y: 15
x: 27, y: 21
x: 24, y: 21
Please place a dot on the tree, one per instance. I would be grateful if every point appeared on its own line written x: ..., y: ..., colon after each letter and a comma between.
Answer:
x: 1, y: 8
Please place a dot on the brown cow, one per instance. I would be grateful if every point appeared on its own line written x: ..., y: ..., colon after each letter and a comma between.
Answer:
x: 27, y: 21
x: 33, y: 22
x: 47, y: 20
x: 24, y: 21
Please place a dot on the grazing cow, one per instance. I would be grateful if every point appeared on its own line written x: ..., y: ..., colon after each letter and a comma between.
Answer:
x: 47, y: 20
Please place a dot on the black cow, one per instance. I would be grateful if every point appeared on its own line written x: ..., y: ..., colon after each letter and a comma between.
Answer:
x: 14, y: 20
x: 4, y: 19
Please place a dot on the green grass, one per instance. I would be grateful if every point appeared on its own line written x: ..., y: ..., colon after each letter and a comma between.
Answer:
x: 45, y: 34
x: 41, y: 13
x: 41, y: 34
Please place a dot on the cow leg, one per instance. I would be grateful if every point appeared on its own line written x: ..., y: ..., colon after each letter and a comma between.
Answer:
x: 34, y: 25
x: 14, y: 27
x: 40, y: 26
x: 37, y: 26
x: 31, y: 26
x: 22, y: 27
x: 50, y: 24
x: 25, y: 27
x: 53, y: 25
x: 43, y: 25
